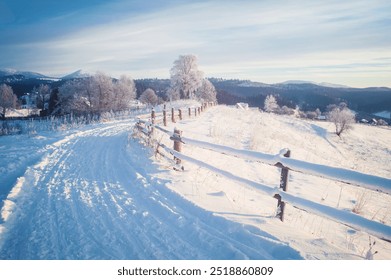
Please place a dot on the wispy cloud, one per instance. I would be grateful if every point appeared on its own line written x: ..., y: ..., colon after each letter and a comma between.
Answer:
x: 263, y: 40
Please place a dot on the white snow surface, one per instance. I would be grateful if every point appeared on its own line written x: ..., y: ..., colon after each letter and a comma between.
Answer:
x: 96, y: 193
x: 363, y: 150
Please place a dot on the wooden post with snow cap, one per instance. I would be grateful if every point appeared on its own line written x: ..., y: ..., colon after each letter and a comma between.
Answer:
x: 177, y: 140
x: 283, y: 186
x: 284, y: 173
x: 172, y: 115
x: 180, y: 114
x: 176, y: 137
x: 164, y: 117
x: 153, y: 117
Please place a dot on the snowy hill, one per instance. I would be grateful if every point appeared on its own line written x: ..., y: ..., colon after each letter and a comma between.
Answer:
x: 26, y: 74
x: 323, y: 84
x: 76, y: 75
x: 94, y: 192
x: 364, y: 149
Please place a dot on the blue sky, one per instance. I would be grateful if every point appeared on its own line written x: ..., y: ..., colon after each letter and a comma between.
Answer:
x: 344, y: 42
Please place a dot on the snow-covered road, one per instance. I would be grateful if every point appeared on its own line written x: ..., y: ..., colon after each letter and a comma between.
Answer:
x: 95, y: 195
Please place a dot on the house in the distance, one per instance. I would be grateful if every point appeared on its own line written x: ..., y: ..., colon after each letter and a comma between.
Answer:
x: 28, y: 101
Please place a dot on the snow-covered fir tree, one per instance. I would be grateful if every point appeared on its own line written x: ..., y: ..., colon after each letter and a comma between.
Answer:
x: 270, y: 104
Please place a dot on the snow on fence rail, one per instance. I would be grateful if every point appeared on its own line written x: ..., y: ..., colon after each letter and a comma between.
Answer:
x: 347, y: 176
x: 283, y: 161
x: 352, y: 220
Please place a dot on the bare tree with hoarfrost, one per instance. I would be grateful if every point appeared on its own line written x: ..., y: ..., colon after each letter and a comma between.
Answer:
x: 149, y: 97
x: 343, y: 118
x: 173, y: 94
x: 207, y: 91
x: 270, y: 104
x: 76, y: 96
x: 103, y: 86
x: 7, y: 99
x: 43, y: 95
x: 124, y: 92
x: 96, y: 94
x: 185, y: 76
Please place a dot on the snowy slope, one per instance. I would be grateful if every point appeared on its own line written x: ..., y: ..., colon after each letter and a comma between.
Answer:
x: 365, y: 149
x: 95, y: 194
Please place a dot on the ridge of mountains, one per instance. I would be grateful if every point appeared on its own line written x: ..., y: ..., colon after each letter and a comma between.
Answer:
x: 305, y: 94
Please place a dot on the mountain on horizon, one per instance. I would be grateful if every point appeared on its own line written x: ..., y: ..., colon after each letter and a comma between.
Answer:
x: 323, y: 84
x: 26, y: 74
x: 76, y: 75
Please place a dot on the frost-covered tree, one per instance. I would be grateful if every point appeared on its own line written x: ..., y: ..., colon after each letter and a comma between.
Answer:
x: 311, y: 115
x: 149, y: 97
x: 173, y: 94
x: 43, y: 95
x: 76, y: 96
x: 381, y: 122
x: 207, y: 91
x: 343, y: 118
x: 54, y: 102
x: 96, y: 94
x: 124, y: 92
x: 285, y: 110
x: 270, y: 104
x: 103, y: 90
x: 185, y: 76
x: 7, y: 99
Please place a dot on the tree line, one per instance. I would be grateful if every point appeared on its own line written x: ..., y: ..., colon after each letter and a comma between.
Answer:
x: 100, y: 93
x: 340, y: 115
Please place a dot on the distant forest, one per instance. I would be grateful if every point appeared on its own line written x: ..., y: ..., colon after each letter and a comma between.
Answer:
x: 306, y: 95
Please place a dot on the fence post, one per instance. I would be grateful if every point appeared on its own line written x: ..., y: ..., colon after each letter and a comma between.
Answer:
x: 164, y: 117
x: 284, y: 187
x: 180, y: 114
x: 189, y: 112
x: 284, y: 174
x: 177, y: 143
x: 153, y: 116
x: 199, y: 110
x: 195, y: 112
x: 172, y: 115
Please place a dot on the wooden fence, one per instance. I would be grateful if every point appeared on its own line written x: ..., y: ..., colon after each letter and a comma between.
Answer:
x: 286, y: 164
x: 177, y: 114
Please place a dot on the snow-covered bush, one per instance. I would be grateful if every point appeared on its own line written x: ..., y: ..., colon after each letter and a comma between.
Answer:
x: 206, y: 92
x: 343, y: 118
x: 149, y: 97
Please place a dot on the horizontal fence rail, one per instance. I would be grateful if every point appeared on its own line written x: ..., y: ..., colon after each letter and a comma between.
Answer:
x: 352, y: 220
x: 283, y: 161
x: 347, y: 176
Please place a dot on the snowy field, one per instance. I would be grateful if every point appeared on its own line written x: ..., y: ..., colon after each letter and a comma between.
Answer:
x: 97, y: 193
x: 364, y: 149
